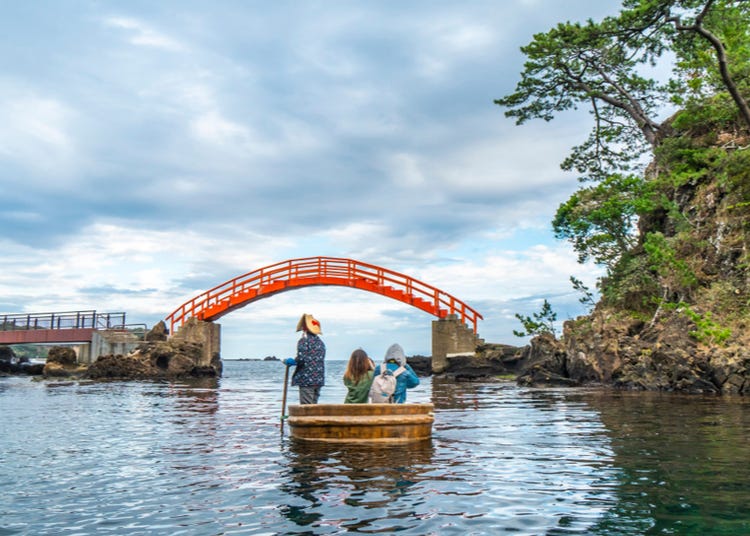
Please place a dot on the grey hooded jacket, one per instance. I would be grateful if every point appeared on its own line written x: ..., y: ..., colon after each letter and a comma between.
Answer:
x: 404, y: 381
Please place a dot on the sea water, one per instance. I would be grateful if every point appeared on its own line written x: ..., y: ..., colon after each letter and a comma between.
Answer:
x: 212, y: 457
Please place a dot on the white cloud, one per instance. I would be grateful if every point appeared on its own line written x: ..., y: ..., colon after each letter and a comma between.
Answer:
x: 36, y: 134
x: 406, y: 170
x: 450, y: 41
x: 141, y: 34
x: 214, y: 128
x: 504, y: 165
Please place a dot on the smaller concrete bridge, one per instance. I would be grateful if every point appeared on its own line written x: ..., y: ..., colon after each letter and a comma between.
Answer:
x: 90, y: 333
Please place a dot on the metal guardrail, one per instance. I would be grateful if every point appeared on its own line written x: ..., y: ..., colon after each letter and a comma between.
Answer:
x: 61, y: 320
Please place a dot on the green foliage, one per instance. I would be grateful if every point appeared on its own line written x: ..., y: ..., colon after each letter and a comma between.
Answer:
x: 706, y: 330
x: 31, y: 351
x: 689, y: 165
x: 698, y: 69
x: 506, y: 377
x: 711, y: 114
x: 735, y: 175
x: 600, y: 220
x: 587, y: 297
x: 600, y: 65
x: 583, y: 64
x: 675, y: 275
x: 632, y: 285
x: 542, y: 322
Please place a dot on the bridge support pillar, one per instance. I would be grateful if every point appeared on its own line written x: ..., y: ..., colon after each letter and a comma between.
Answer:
x: 105, y: 342
x: 83, y: 353
x: 450, y: 336
x: 207, y: 334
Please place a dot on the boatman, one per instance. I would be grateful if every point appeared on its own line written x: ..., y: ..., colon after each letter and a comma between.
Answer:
x: 309, y: 366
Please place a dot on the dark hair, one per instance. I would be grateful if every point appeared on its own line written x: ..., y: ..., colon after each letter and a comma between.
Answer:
x: 359, y: 364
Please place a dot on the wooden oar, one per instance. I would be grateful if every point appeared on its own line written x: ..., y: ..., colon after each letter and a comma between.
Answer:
x: 283, y: 399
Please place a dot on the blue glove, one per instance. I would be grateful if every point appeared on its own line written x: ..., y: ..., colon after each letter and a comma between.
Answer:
x: 290, y: 362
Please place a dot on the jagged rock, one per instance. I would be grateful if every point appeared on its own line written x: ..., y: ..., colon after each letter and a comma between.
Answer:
x: 121, y: 367
x: 539, y: 376
x: 608, y: 349
x: 730, y: 369
x: 543, y: 362
x: 158, y: 332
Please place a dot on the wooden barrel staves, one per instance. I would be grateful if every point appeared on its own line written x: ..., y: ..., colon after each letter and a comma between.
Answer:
x: 361, y: 422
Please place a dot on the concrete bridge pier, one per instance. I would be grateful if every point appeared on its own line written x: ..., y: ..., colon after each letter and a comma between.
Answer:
x: 105, y: 342
x: 451, y: 336
x: 207, y: 334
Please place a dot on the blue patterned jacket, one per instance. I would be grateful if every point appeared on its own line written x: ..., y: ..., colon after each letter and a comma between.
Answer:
x: 310, y: 370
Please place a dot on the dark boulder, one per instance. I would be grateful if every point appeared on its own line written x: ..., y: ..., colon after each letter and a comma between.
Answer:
x: 422, y: 365
x: 62, y: 362
x: 158, y: 332
x: 10, y: 364
x: 62, y: 355
x: 488, y: 362
x: 7, y: 354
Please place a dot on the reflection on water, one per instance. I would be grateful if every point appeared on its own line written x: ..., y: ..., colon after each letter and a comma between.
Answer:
x: 207, y: 457
x: 372, y: 488
x: 682, y: 463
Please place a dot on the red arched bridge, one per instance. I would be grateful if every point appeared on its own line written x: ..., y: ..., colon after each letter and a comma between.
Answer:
x: 316, y: 271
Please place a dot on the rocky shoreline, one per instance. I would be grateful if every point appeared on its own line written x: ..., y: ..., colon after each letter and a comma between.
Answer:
x: 601, y: 349
x: 605, y: 350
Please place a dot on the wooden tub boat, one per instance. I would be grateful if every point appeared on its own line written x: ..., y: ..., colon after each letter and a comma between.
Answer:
x: 395, y: 423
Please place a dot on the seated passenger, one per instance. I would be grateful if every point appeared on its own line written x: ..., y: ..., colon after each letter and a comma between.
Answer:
x: 406, y: 378
x: 358, y: 377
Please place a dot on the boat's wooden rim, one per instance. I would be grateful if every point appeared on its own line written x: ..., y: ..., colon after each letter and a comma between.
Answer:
x: 361, y: 409
x: 364, y: 420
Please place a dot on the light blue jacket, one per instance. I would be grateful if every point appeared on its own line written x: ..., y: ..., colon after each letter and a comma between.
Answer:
x: 395, y: 358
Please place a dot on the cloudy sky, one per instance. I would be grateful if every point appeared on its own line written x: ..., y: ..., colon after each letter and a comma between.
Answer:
x: 152, y: 150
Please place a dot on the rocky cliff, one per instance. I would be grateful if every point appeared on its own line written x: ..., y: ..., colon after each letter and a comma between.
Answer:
x: 674, y: 312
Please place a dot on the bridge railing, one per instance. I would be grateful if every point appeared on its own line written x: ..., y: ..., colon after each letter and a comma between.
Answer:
x: 61, y: 320
x: 323, y: 270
